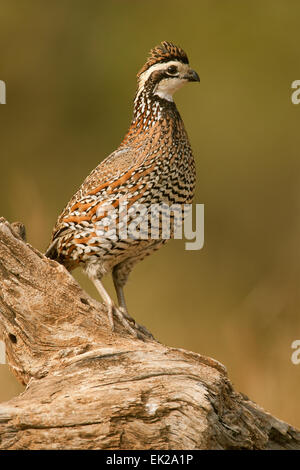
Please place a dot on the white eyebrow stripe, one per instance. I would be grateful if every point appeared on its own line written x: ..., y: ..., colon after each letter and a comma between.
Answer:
x: 161, y: 66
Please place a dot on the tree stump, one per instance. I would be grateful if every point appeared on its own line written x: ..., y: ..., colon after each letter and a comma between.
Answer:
x: 90, y: 388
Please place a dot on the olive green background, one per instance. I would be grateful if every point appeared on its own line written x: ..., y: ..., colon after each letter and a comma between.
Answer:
x: 70, y: 69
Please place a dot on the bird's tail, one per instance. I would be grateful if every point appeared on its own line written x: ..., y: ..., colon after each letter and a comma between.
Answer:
x: 51, y: 251
x: 54, y: 253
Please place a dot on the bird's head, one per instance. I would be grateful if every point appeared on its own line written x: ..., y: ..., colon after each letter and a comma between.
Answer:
x: 166, y: 70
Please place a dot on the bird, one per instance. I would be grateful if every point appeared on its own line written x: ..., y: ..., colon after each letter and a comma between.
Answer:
x: 153, y: 164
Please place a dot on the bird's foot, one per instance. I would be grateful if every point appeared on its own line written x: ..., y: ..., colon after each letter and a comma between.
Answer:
x: 128, y: 322
x: 140, y: 328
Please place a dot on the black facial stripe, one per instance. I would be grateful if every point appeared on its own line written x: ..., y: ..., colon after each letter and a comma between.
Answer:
x: 158, y: 75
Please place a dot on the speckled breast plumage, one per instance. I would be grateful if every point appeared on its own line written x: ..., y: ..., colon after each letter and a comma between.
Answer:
x: 153, y: 165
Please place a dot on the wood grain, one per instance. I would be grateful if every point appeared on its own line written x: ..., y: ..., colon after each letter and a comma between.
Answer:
x: 89, y: 388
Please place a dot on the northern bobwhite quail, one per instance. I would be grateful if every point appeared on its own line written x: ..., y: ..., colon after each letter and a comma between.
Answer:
x: 154, y: 164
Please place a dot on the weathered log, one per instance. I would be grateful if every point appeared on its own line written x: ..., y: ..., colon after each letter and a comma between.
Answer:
x: 89, y: 388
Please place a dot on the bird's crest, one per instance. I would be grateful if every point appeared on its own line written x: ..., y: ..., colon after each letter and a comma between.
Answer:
x: 163, y: 53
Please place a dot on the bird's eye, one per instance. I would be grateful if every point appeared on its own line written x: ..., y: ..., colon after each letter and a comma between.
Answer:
x: 172, y: 69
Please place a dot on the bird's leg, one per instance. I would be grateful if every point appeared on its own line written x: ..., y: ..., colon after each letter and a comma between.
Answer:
x: 121, y: 299
x: 107, y: 300
x: 112, y: 309
x: 123, y: 307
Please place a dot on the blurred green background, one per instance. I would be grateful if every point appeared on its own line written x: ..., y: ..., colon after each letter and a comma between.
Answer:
x: 70, y: 69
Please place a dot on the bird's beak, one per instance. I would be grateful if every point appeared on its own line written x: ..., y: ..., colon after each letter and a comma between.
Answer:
x: 192, y: 76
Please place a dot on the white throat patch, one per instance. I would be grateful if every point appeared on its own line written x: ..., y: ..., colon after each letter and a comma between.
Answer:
x: 167, y: 87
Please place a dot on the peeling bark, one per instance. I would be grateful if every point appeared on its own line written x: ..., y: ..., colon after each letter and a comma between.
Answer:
x: 89, y: 388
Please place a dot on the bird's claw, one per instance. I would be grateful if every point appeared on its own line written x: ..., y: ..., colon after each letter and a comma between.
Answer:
x: 130, y: 325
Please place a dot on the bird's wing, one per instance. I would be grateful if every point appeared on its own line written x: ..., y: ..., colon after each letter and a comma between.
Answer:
x: 106, y: 178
